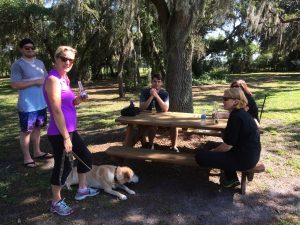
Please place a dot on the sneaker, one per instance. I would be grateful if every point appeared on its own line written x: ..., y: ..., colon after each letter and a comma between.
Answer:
x: 231, y: 183
x: 174, y: 149
x: 61, y: 208
x: 88, y: 193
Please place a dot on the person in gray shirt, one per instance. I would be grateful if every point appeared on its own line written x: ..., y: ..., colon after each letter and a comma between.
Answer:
x: 27, y: 76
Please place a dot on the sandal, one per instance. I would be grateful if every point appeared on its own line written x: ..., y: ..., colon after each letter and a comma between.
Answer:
x: 44, y: 156
x: 30, y: 165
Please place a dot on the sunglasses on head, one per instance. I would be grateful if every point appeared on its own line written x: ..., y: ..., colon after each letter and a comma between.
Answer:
x: 64, y: 59
x: 29, y: 48
x: 227, y: 98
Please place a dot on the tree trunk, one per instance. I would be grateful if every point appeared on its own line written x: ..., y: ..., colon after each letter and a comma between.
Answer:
x: 179, y: 76
x: 120, y: 75
x: 176, y: 22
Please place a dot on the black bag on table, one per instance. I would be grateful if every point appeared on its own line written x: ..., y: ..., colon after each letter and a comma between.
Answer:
x: 130, y: 110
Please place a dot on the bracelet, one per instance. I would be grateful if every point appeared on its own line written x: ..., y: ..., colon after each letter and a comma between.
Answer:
x: 66, y: 138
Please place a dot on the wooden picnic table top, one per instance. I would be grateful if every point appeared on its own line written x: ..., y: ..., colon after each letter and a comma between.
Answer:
x: 173, y: 119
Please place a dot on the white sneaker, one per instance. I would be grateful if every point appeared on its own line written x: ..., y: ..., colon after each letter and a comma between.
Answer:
x: 88, y: 193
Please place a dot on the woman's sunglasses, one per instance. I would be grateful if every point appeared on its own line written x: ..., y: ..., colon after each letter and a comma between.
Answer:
x: 227, y: 98
x: 64, y: 59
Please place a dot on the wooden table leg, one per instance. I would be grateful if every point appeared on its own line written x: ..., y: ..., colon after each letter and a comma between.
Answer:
x: 128, y: 135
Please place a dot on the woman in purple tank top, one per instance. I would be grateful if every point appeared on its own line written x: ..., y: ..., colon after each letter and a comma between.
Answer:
x: 62, y: 132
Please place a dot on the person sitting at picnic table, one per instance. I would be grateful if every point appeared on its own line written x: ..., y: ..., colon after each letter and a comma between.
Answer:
x: 251, y: 108
x: 241, y: 148
x: 158, y: 98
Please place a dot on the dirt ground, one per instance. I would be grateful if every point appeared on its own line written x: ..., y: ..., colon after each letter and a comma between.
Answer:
x: 169, y: 194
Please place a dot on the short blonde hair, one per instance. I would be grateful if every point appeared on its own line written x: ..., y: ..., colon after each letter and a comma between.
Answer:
x: 238, y: 94
x: 241, y: 84
x: 62, y: 49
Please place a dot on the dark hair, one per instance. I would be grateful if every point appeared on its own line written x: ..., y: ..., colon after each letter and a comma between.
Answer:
x: 156, y: 75
x: 241, y: 84
x: 25, y: 41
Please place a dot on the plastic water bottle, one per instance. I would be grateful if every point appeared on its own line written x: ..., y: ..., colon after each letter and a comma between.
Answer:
x: 82, y: 92
x: 216, y: 113
x: 203, y: 118
x: 153, y: 109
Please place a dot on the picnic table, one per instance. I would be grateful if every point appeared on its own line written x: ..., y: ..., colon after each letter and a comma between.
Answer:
x: 169, y: 119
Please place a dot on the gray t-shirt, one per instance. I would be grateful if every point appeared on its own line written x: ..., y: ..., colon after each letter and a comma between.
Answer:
x: 31, y: 98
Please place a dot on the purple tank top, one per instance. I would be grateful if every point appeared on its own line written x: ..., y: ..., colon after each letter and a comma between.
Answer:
x: 67, y: 105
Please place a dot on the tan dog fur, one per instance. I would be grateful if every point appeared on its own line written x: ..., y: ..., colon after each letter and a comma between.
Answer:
x: 103, y: 177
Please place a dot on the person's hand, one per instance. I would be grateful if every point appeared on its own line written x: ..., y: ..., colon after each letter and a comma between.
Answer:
x: 68, y: 144
x: 153, y: 92
x: 84, y: 98
x: 216, y: 115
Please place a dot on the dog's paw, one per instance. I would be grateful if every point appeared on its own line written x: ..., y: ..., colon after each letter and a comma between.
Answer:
x: 131, y: 192
x: 122, y: 197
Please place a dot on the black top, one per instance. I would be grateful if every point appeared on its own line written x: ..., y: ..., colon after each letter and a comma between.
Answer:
x: 243, y: 134
x: 145, y: 94
x: 253, y: 110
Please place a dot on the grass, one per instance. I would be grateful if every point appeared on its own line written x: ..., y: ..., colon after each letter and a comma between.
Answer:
x: 280, y: 121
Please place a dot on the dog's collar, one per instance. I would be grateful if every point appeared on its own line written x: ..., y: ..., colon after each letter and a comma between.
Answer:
x: 115, y: 176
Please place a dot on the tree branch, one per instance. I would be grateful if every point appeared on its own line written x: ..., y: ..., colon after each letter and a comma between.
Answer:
x: 163, y: 12
x: 285, y: 21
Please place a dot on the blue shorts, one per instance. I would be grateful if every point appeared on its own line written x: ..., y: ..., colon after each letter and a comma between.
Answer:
x: 29, y: 120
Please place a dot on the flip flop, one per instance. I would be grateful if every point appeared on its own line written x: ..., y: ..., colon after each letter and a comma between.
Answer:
x: 27, y: 165
x: 44, y: 156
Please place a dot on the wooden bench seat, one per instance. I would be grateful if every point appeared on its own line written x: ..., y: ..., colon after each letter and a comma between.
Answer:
x: 185, y: 159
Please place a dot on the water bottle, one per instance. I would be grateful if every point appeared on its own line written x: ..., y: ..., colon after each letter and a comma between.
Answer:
x: 203, y: 117
x: 153, y: 109
x: 216, y: 113
x: 82, y: 92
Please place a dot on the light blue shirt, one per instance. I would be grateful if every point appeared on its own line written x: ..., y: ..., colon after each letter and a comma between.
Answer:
x: 30, y: 99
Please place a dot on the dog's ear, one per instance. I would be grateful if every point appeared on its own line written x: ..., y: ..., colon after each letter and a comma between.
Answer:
x: 127, y: 175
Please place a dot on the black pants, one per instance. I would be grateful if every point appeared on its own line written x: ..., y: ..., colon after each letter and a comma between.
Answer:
x: 229, y: 161
x: 80, y: 150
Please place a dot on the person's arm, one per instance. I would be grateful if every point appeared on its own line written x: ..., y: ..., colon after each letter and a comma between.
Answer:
x: 17, y: 81
x: 25, y: 84
x: 223, y: 147
x: 164, y: 105
x: 221, y: 115
x: 53, y: 91
x: 145, y: 105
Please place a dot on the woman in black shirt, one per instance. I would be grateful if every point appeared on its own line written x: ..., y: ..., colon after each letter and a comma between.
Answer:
x: 241, y: 147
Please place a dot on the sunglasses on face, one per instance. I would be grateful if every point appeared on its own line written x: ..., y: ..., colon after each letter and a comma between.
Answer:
x: 227, y: 98
x: 27, y: 48
x: 64, y: 59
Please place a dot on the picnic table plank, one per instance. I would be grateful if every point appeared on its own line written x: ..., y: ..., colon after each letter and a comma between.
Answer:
x: 172, y: 119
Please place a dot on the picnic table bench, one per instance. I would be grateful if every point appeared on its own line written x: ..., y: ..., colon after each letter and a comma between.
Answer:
x: 184, y: 159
